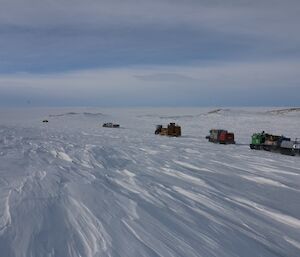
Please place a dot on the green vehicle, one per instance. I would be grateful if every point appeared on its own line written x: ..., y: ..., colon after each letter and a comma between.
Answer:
x: 268, y: 142
x: 257, y: 140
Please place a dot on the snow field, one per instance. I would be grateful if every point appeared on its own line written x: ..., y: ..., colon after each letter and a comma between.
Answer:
x: 73, y: 188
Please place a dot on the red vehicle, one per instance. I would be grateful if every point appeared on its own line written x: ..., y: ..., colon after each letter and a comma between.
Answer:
x: 221, y: 136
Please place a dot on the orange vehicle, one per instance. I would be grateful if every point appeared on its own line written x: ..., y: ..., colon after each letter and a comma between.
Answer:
x: 172, y: 130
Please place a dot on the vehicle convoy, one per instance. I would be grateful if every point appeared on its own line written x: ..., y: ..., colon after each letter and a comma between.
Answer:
x: 110, y: 125
x: 172, y: 130
x: 274, y: 143
x: 221, y: 136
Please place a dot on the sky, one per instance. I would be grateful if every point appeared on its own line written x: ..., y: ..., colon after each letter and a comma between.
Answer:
x: 149, y: 53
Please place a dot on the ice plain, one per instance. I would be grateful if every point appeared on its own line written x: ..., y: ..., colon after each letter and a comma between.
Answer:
x: 72, y: 188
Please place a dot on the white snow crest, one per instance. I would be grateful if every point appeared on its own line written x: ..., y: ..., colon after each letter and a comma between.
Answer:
x: 5, y: 218
x: 283, y: 218
x: 263, y: 181
x: 64, y: 156
x: 61, y: 155
x: 89, y: 230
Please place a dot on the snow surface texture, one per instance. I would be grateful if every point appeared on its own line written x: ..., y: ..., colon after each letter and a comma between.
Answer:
x: 72, y: 188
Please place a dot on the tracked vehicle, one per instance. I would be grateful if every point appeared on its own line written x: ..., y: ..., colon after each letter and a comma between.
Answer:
x: 110, y: 125
x: 220, y: 136
x: 274, y: 143
x: 172, y: 130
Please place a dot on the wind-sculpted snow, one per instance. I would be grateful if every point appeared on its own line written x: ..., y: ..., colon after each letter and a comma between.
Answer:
x: 73, y: 188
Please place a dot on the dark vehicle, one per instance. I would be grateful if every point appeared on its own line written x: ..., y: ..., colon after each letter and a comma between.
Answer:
x: 158, y: 129
x: 110, y: 125
x: 45, y: 121
x: 221, y: 136
x: 172, y: 130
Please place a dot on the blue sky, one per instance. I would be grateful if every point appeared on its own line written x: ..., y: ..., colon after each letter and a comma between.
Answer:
x: 149, y: 53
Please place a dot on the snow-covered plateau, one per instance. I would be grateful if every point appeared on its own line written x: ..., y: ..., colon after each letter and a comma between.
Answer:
x: 70, y: 187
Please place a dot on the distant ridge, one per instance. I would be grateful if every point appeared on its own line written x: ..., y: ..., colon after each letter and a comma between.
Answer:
x: 77, y: 113
x: 214, y: 111
x: 284, y: 111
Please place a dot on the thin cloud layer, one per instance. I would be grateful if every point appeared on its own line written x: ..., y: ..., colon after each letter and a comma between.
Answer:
x: 225, y: 84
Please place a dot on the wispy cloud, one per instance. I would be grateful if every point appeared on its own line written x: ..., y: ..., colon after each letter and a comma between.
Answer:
x: 95, y: 49
x: 166, y: 77
x: 222, y: 84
